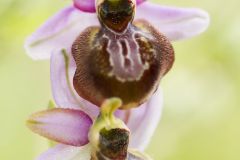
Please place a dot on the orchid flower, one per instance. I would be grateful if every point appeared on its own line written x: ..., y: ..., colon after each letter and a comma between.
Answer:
x: 71, y: 131
x: 81, y: 139
x: 103, y: 49
x: 119, y: 51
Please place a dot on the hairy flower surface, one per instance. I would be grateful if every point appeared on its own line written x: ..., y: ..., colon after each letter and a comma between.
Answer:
x: 103, y: 49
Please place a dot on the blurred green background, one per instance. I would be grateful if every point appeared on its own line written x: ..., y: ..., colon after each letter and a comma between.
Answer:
x: 201, y: 117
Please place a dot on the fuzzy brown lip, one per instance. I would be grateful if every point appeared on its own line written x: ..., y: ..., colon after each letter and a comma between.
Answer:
x: 92, y: 79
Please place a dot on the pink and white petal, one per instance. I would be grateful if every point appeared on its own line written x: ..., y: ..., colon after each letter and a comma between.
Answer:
x: 85, y: 5
x: 143, y: 121
x: 62, y: 69
x: 58, y: 32
x: 65, y: 126
x: 175, y: 23
x: 89, y: 5
x: 140, y: 1
x: 64, y: 152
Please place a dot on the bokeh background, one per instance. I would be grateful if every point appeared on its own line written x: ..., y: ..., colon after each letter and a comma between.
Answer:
x: 201, y: 117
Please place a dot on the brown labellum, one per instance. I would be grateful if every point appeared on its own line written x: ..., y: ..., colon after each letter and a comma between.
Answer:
x: 113, y: 144
x: 128, y: 65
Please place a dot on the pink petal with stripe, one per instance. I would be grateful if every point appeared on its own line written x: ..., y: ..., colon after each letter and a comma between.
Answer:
x: 62, y: 70
x: 65, y: 126
x: 176, y: 23
x: 58, y: 32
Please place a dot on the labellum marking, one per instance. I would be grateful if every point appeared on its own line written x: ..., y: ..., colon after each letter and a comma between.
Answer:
x: 126, y: 63
x: 125, y: 57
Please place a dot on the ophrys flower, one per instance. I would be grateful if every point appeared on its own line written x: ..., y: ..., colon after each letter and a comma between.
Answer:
x: 116, y: 53
x: 108, y: 136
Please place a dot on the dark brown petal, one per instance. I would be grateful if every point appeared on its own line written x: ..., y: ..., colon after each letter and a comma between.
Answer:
x: 100, y: 75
